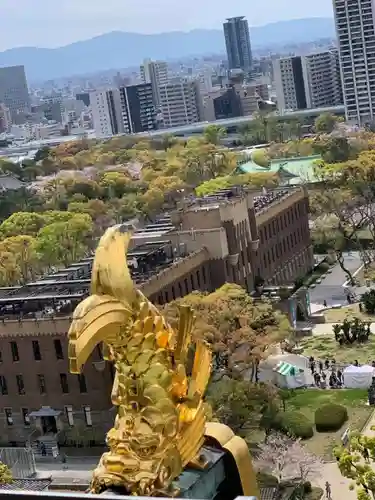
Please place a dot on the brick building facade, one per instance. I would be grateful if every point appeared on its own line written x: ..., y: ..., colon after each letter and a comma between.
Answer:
x: 231, y: 237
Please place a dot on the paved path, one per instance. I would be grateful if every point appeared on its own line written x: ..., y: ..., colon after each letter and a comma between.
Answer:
x: 339, y: 484
x: 331, y: 289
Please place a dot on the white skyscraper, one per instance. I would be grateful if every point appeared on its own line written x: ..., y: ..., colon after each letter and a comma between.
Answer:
x: 156, y: 73
x: 181, y: 103
x: 354, y: 21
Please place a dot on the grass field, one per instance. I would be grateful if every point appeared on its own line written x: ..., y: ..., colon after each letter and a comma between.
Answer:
x: 325, y: 347
x: 307, y: 401
x: 350, y: 312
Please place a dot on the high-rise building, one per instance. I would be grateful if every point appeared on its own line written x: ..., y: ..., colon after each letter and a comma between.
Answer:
x: 156, y: 73
x: 84, y: 97
x: 181, y: 103
x: 237, y: 42
x: 309, y: 81
x: 5, y: 118
x: 14, y: 92
x: 355, y: 30
x: 106, y: 112
x: 138, y: 109
x: 322, y: 79
x: 127, y: 110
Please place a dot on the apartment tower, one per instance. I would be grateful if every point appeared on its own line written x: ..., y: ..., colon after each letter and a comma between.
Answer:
x: 309, y: 81
x: 14, y: 92
x: 181, y: 103
x: 355, y: 30
x: 156, y: 73
x: 237, y: 42
x: 124, y: 110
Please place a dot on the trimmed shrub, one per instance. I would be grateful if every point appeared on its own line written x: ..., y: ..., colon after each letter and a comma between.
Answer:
x: 330, y: 417
x: 294, y: 424
x: 265, y: 480
x: 324, y: 266
x: 307, y: 487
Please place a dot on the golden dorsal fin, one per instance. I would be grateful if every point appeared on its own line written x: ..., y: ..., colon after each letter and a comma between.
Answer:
x: 110, y: 272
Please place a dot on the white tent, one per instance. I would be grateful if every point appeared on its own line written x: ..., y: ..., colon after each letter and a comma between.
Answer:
x: 286, y: 370
x: 358, y: 377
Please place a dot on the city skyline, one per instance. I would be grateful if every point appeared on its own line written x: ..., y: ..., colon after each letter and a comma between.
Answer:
x: 66, y: 22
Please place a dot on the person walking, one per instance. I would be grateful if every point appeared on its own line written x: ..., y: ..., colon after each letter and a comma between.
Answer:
x: 328, y: 491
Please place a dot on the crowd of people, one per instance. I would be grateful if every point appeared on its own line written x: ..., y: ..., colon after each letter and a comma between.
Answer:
x: 327, y: 373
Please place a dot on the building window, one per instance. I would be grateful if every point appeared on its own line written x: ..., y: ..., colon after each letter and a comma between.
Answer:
x: 64, y: 383
x: 20, y: 385
x: 69, y: 415
x: 58, y: 349
x: 82, y: 383
x: 3, y: 386
x: 1, y: 357
x: 87, y: 412
x: 8, y: 416
x: 36, y: 350
x: 204, y: 275
x: 25, y: 416
x: 42, y: 384
x: 14, y: 349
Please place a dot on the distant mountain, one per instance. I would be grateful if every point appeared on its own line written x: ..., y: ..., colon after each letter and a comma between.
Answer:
x: 119, y: 49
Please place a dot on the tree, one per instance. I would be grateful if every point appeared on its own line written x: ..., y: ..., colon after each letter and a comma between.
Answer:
x: 285, y: 457
x: 65, y: 242
x: 346, y: 206
x: 260, y: 157
x: 24, y: 257
x: 42, y: 154
x: 325, y: 123
x: 351, y: 464
x: 238, y: 329
x: 26, y: 223
x: 333, y: 149
x: 240, y: 404
x: 10, y: 272
x: 214, y: 133
x: 5, y: 474
x: 116, y: 184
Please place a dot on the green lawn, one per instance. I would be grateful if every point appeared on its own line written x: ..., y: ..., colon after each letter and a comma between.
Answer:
x: 307, y: 401
x: 350, y: 312
x: 326, y: 347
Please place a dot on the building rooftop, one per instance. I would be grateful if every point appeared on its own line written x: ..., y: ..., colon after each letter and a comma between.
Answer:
x: 213, y: 201
x: 290, y: 170
x: 58, y: 293
x: 27, y: 485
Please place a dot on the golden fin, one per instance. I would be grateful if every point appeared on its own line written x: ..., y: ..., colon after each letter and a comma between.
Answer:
x: 184, y: 333
x: 110, y: 272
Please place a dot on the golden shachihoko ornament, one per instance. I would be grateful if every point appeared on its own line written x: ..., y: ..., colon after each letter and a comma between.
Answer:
x: 160, y: 426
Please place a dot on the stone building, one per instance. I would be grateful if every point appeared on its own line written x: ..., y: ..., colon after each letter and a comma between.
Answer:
x: 234, y: 236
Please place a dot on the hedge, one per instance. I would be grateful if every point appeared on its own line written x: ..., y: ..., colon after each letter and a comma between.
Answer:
x: 330, y: 417
x: 294, y: 424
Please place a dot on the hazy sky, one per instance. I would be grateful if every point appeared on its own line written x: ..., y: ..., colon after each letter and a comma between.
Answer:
x: 51, y: 23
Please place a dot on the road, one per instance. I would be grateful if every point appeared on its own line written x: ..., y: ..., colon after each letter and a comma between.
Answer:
x: 331, y: 289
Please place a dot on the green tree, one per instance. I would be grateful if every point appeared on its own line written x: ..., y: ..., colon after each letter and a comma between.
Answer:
x: 238, y: 329
x: 26, y: 223
x: 351, y: 464
x: 325, y: 123
x: 65, y: 242
x: 240, y: 404
x: 214, y: 133
x: 24, y: 256
x: 116, y: 184
x: 5, y: 474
